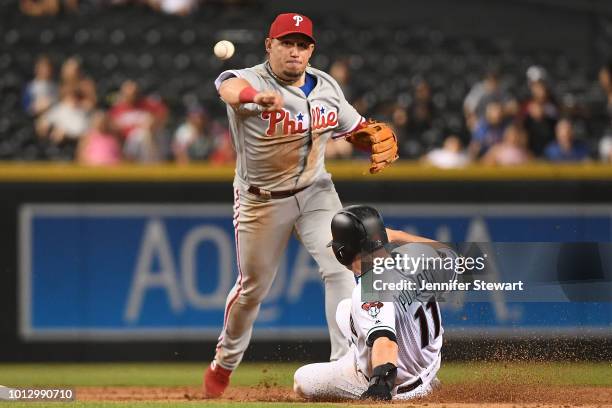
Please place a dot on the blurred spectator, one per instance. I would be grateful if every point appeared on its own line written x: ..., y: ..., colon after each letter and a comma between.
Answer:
x: 72, y: 77
x: 176, y: 7
x: 511, y: 151
x: 482, y: 94
x: 419, y: 119
x: 605, y: 144
x: 605, y: 149
x: 536, y: 73
x: 66, y: 121
x: 362, y: 105
x: 399, y: 121
x: 37, y: 8
x: 197, y: 138
x: 42, y: 91
x: 605, y: 80
x: 132, y: 111
x: 566, y: 148
x: 100, y: 146
x: 489, y: 130
x: 224, y: 153
x: 145, y: 143
x: 539, y: 112
x: 451, y: 155
x: 339, y: 70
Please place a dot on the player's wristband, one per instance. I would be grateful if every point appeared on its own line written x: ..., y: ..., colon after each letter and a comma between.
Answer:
x: 380, y: 333
x: 381, y: 382
x: 247, y: 95
x: 385, y: 374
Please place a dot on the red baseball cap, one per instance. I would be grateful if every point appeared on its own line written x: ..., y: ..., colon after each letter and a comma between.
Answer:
x: 291, y: 23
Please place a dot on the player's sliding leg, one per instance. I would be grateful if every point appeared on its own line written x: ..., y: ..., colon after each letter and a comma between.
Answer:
x: 428, y: 379
x: 262, y: 236
x: 340, y: 379
x: 336, y: 379
x: 319, y: 203
x: 421, y: 391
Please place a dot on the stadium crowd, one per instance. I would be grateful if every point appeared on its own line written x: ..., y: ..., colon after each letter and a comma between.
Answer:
x: 501, y: 129
x: 133, y: 128
x: 498, y: 127
x: 37, y: 8
x: 501, y: 124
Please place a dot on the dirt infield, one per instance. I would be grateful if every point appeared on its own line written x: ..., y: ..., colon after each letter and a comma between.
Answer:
x: 477, y: 395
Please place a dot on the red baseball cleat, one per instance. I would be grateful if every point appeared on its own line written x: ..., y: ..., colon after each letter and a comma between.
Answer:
x: 216, y: 380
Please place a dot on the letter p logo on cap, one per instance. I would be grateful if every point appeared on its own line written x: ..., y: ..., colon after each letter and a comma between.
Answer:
x: 291, y: 23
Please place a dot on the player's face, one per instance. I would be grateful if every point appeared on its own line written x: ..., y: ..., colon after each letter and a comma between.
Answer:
x: 289, y: 55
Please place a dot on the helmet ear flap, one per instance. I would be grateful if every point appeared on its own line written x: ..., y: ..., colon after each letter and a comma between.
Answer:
x: 343, y: 254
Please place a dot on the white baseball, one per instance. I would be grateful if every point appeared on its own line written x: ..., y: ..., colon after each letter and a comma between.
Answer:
x: 224, y: 49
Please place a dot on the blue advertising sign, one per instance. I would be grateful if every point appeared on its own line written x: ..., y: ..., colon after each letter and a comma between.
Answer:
x: 102, y: 271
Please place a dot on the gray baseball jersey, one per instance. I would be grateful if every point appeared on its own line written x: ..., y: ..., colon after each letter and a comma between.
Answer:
x: 285, y: 150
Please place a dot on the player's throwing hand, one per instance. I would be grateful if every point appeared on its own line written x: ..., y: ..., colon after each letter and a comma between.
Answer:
x: 270, y: 100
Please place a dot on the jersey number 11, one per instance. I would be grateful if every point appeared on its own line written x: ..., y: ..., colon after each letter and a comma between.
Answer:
x: 431, y: 305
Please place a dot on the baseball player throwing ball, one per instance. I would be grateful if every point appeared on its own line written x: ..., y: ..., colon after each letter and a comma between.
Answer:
x: 395, y: 346
x: 281, y: 115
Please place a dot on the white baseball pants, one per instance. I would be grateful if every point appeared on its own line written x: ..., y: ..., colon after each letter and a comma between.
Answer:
x: 341, y: 378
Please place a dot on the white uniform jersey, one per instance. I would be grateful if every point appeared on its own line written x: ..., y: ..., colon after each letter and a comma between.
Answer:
x: 285, y: 150
x: 414, y: 319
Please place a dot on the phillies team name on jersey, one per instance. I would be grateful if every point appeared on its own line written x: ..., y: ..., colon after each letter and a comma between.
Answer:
x: 321, y: 118
x: 285, y: 150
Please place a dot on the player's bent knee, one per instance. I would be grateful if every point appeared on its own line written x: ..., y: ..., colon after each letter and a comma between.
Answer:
x: 297, y: 384
x: 251, y: 298
x: 297, y: 388
x: 301, y: 384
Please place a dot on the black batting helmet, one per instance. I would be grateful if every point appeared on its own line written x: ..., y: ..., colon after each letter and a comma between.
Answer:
x: 356, y: 229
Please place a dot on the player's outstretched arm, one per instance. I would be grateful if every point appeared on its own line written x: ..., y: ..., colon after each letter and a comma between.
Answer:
x: 384, y: 350
x: 235, y: 91
x: 401, y: 236
x: 384, y: 371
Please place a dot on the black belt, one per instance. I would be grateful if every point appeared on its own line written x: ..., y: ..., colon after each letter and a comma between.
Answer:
x: 274, y: 194
x: 410, y: 387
